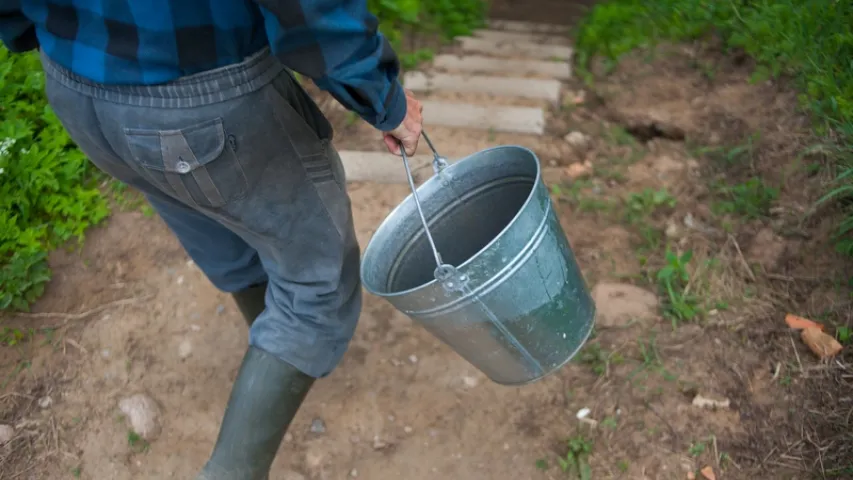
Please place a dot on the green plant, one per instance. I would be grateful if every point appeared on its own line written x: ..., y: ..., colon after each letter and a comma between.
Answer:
x: 136, y: 443
x: 576, y: 460
x: 449, y: 18
x: 809, y: 41
x: 674, y: 280
x: 47, y: 187
x: 752, y: 199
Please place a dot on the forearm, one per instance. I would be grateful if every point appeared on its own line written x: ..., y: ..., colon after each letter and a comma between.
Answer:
x: 17, y: 32
x: 337, y: 45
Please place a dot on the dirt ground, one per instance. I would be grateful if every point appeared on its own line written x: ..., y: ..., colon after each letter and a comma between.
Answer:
x: 670, y: 139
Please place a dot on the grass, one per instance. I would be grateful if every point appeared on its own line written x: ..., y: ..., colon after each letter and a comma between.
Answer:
x: 808, y: 42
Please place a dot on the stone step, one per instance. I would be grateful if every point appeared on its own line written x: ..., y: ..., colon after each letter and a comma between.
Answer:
x: 482, y: 64
x: 548, y: 90
x: 538, y: 38
x: 497, y: 118
x: 494, y: 118
x: 515, y: 49
x: 384, y: 167
x: 527, y: 27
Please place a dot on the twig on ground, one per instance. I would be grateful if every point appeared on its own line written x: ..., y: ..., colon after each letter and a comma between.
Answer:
x: 797, y: 354
x: 743, y: 261
x: 79, y: 316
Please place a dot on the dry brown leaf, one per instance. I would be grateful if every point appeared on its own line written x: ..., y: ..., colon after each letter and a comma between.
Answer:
x: 799, y: 323
x: 691, y: 476
x: 708, y: 473
x: 823, y: 345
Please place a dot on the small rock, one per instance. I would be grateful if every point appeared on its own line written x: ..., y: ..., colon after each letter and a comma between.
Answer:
x: 105, y: 353
x: 619, y: 303
x: 288, y: 437
x: 180, y: 280
x: 143, y: 413
x: 470, y: 381
x: 45, y: 402
x: 7, y: 433
x: 413, y: 358
x: 578, y: 141
x: 672, y: 230
x: 506, y: 446
x: 318, y: 426
x: 220, y: 309
x: 705, y: 402
x: 185, y: 349
x: 378, y: 443
x: 391, y: 418
x: 407, y: 429
x: 353, y: 473
x: 579, y: 170
x: 195, y: 328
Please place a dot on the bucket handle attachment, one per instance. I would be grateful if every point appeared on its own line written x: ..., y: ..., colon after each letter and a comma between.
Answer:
x: 447, y: 275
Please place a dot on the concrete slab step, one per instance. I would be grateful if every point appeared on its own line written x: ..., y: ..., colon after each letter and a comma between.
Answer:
x: 483, y: 64
x: 539, y: 38
x: 384, y: 167
x: 528, y: 27
x: 494, y: 118
x: 515, y: 49
x: 548, y: 90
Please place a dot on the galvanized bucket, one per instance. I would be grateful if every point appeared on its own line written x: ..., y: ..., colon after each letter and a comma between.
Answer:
x: 477, y: 256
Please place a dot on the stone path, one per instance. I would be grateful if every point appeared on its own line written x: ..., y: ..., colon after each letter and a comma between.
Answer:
x: 501, y: 79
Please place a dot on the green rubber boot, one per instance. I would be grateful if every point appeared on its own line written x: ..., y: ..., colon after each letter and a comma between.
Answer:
x: 264, y: 399
x: 251, y: 301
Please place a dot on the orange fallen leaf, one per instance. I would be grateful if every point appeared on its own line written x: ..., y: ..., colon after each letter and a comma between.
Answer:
x: 800, y: 323
x: 708, y: 473
x: 823, y: 345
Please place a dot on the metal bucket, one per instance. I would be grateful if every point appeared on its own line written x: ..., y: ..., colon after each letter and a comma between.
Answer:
x: 507, y: 295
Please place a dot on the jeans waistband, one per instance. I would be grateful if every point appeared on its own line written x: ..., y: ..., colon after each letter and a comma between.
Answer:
x: 205, y: 88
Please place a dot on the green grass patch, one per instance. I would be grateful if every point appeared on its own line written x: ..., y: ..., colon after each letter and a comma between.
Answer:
x: 808, y: 41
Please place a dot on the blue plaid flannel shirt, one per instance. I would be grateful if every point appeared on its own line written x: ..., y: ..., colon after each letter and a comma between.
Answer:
x: 334, y: 42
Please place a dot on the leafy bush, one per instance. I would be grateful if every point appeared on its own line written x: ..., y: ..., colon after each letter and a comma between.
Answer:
x: 449, y: 18
x: 809, y: 41
x: 46, y: 191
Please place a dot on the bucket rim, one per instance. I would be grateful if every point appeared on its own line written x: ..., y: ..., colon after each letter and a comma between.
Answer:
x: 409, y: 198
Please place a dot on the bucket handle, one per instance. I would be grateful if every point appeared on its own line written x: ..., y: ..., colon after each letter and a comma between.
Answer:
x: 447, y: 275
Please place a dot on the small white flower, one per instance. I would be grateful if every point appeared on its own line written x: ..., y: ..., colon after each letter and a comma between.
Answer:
x: 2, y: 170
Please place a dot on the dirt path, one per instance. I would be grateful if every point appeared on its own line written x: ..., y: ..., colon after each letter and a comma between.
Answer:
x: 402, y: 405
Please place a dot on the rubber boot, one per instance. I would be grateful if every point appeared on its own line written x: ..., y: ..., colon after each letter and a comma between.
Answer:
x: 264, y: 399
x: 251, y: 301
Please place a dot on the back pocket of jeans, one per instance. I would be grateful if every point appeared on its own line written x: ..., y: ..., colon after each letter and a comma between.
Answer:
x: 191, y: 163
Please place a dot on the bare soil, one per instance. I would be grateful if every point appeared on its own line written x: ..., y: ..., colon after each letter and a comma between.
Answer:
x: 120, y: 312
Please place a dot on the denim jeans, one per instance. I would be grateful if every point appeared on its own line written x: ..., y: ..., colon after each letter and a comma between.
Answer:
x: 238, y: 162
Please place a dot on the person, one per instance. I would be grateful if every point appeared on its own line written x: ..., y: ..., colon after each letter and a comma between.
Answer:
x: 194, y: 103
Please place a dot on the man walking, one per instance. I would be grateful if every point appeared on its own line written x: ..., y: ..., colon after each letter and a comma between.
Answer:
x: 192, y: 103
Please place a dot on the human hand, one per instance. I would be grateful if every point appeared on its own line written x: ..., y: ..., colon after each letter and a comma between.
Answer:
x: 408, y: 132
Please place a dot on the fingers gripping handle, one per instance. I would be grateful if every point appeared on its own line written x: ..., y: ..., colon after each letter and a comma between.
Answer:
x: 449, y: 277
